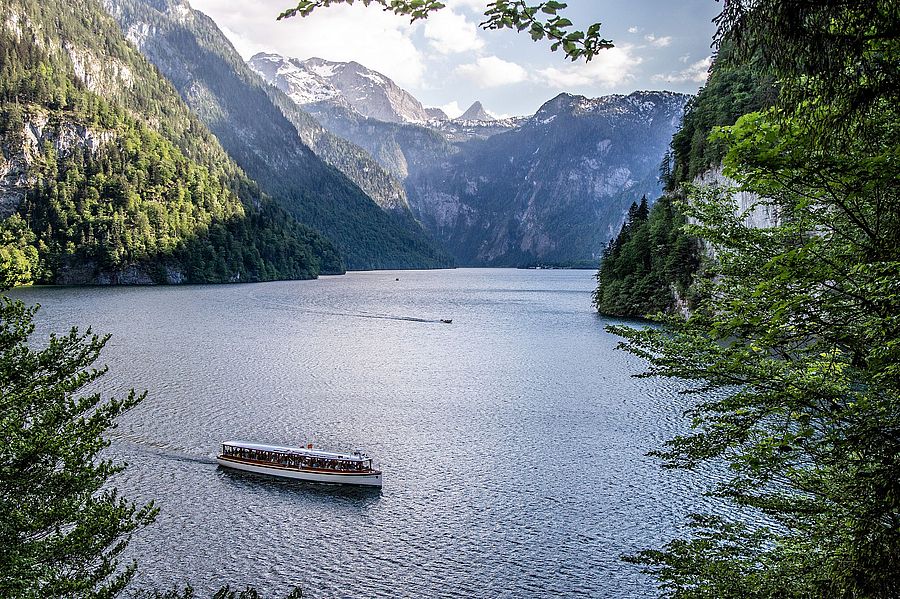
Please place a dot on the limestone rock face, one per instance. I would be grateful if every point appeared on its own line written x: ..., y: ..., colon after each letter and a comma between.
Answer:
x: 553, y: 187
x: 748, y: 205
x: 755, y: 214
x: 314, y: 80
x: 475, y: 112
x: 37, y: 133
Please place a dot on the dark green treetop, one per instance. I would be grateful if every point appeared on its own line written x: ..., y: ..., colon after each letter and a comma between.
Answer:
x: 648, y: 261
x: 62, y: 528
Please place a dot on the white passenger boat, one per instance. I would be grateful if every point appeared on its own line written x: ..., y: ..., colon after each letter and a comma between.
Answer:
x: 302, y: 463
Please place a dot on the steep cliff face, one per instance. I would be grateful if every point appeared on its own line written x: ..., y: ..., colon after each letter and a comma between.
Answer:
x: 23, y: 147
x: 747, y: 204
x: 353, y: 161
x: 271, y: 139
x: 554, y: 189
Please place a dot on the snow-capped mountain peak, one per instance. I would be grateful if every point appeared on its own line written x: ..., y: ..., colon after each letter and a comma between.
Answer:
x: 307, y: 83
x: 369, y: 92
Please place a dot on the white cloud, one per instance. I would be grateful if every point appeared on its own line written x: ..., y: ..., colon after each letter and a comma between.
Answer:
x: 478, y: 6
x: 609, y: 68
x: 695, y: 72
x: 452, y: 109
x: 449, y: 32
x: 380, y: 40
x: 632, y: 29
x: 659, y: 42
x: 491, y: 71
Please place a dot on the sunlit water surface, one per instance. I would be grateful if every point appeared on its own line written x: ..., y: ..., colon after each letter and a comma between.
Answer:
x: 512, y: 441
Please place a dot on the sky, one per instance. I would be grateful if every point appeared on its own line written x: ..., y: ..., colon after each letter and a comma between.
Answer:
x: 448, y: 61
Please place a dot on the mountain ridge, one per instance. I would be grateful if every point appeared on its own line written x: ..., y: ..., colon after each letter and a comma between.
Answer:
x: 112, y: 179
x: 266, y: 137
x: 369, y: 92
x: 585, y: 164
x: 553, y: 189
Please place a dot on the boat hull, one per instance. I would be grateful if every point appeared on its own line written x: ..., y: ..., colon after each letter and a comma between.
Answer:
x: 365, y: 479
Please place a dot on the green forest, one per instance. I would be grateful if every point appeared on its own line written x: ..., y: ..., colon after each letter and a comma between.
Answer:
x: 791, y: 343
x: 650, y: 262
x: 112, y: 199
x: 650, y: 265
x: 787, y: 354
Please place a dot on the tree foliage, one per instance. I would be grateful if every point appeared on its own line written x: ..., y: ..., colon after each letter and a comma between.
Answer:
x: 121, y: 181
x: 795, y: 344
x: 734, y: 88
x: 62, y: 528
x: 540, y: 21
x: 650, y: 260
x: 832, y: 53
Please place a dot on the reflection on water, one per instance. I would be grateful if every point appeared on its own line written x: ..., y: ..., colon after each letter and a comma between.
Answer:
x: 249, y: 481
x: 512, y: 441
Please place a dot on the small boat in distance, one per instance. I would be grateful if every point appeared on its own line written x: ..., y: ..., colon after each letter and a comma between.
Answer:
x: 447, y: 320
x: 300, y: 463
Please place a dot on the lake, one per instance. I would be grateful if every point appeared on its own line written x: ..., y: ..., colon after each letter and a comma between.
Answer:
x: 512, y: 441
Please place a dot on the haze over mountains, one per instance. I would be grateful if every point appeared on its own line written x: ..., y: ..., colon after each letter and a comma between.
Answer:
x: 343, y: 149
x: 550, y: 188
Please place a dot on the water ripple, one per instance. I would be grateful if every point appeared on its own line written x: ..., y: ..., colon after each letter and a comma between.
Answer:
x: 513, y: 442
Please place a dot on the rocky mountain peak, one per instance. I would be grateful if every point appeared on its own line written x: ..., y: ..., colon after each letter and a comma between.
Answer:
x: 369, y: 92
x: 437, y: 114
x: 475, y: 112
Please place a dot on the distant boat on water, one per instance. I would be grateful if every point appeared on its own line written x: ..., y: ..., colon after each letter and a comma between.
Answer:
x: 447, y: 320
x: 314, y: 465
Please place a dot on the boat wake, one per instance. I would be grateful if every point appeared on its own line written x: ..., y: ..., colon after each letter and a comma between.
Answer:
x: 158, y: 448
x: 375, y: 315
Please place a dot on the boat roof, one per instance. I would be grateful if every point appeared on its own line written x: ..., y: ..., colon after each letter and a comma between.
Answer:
x: 318, y: 453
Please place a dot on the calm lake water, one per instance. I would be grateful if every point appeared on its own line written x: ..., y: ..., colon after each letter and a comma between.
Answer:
x: 512, y: 440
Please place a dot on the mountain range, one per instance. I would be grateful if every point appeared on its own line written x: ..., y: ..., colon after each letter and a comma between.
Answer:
x: 337, y: 147
x: 550, y: 188
x: 317, y: 177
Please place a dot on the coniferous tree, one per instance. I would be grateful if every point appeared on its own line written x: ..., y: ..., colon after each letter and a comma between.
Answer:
x: 62, y: 528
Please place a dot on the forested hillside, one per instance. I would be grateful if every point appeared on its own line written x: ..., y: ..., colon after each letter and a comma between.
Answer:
x: 235, y: 104
x: 650, y: 263
x: 732, y: 90
x: 108, y: 178
x: 792, y: 349
x: 649, y: 266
